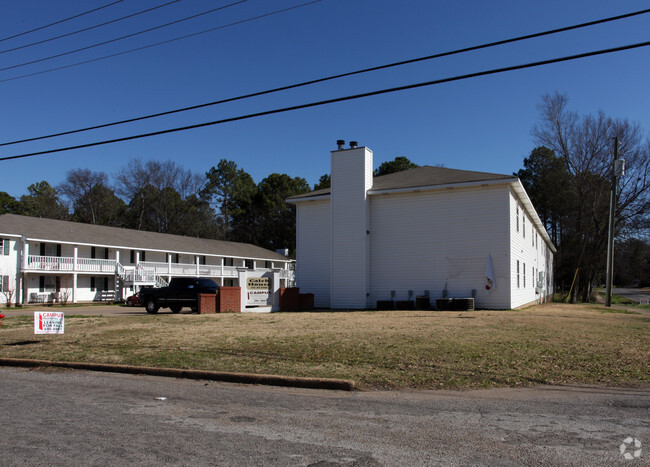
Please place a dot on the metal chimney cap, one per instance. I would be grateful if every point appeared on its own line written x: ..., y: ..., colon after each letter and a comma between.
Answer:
x: 340, y: 143
x: 353, y: 144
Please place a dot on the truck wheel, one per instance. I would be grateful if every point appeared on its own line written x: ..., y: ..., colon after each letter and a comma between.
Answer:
x: 152, y: 306
x: 129, y: 302
x: 176, y: 308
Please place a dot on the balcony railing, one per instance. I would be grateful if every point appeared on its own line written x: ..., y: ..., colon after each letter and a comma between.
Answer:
x: 145, y: 271
x: 63, y: 263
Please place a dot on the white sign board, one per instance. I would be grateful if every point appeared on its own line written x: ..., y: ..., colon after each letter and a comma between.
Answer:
x: 258, y: 291
x: 47, y: 322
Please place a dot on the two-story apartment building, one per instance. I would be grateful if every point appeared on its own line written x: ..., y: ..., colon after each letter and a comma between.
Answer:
x: 46, y: 260
x: 425, y: 231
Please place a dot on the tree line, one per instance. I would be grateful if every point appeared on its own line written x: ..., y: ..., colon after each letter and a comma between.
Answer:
x: 224, y: 204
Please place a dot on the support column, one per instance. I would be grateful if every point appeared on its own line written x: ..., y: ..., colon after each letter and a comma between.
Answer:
x: 74, y: 287
x: 242, y: 274
x: 275, y: 289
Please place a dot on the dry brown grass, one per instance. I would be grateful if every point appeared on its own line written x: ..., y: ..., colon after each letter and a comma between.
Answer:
x: 554, y: 343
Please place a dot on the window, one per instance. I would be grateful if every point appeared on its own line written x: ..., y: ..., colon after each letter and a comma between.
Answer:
x: 523, y: 225
x: 517, y: 273
x: 532, y: 237
x: 268, y: 264
x: 49, y: 283
x: 524, y: 272
x: 133, y: 256
x: 201, y: 259
x: 228, y: 262
x: 98, y: 284
x: 4, y: 246
x: 517, y: 218
x: 50, y: 249
x: 249, y: 263
x: 175, y: 258
x: 94, y: 252
x: 4, y: 284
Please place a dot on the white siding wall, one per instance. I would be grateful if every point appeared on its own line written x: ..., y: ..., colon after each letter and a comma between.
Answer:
x: 313, y: 246
x: 351, y: 179
x: 9, y: 266
x: 422, y: 241
x: 531, y: 254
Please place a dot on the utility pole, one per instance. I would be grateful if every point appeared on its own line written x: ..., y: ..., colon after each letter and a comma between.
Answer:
x: 618, y: 169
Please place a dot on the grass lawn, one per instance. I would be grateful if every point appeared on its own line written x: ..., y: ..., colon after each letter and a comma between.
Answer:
x: 545, y: 344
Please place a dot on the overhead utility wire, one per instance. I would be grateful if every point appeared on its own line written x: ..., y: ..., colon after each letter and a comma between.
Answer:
x: 320, y: 80
x: 246, y: 20
x: 162, y: 42
x: 335, y: 100
x: 58, y: 22
x: 122, y: 37
x: 88, y: 28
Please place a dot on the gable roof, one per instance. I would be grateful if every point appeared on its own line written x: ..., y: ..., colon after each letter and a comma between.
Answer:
x: 425, y: 176
x: 56, y: 231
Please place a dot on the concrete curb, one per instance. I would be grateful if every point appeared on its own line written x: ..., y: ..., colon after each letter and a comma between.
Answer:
x: 242, y: 378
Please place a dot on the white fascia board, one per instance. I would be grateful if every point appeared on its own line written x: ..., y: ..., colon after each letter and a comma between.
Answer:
x: 311, y: 198
x: 448, y: 186
x: 520, y: 191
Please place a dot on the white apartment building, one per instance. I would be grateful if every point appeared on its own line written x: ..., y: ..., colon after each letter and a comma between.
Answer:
x: 46, y: 260
x: 426, y: 231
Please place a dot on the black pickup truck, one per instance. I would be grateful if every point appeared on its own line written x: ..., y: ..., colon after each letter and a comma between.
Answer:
x: 182, y: 291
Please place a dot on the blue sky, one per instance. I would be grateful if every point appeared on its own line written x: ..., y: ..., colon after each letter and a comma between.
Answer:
x: 479, y: 124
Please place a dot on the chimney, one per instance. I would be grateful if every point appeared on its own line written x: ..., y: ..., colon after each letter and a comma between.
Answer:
x: 340, y: 143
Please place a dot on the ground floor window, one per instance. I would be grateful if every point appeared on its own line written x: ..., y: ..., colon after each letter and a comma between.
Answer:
x: 98, y: 283
x: 4, y: 284
x: 49, y: 284
x: 517, y: 273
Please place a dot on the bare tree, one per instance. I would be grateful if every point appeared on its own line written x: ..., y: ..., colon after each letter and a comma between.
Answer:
x: 585, y: 144
x: 91, y: 198
x: 157, y: 193
x: 8, y: 287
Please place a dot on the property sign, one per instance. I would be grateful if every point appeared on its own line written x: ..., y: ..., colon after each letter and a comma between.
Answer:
x: 47, y: 322
x: 258, y: 290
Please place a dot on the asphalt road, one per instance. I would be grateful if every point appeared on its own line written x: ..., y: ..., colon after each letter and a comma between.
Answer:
x: 87, y: 418
x: 632, y: 293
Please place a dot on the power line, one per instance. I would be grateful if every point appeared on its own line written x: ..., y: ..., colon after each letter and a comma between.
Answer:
x: 31, y: 62
x: 162, y: 42
x: 59, y: 22
x: 88, y: 28
x: 328, y: 78
x: 338, y: 99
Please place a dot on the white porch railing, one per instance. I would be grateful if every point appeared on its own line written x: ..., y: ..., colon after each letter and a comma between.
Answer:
x: 145, y: 271
x: 64, y: 263
x: 188, y: 269
x: 96, y: 265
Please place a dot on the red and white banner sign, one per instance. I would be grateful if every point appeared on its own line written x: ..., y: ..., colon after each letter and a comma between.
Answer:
x: 47, y: 322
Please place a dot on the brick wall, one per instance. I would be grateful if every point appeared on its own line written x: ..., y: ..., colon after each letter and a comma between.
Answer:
x: 306, y: 301
x: 229, y: 299
x: 207, y: 303
x: 289, y: 299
